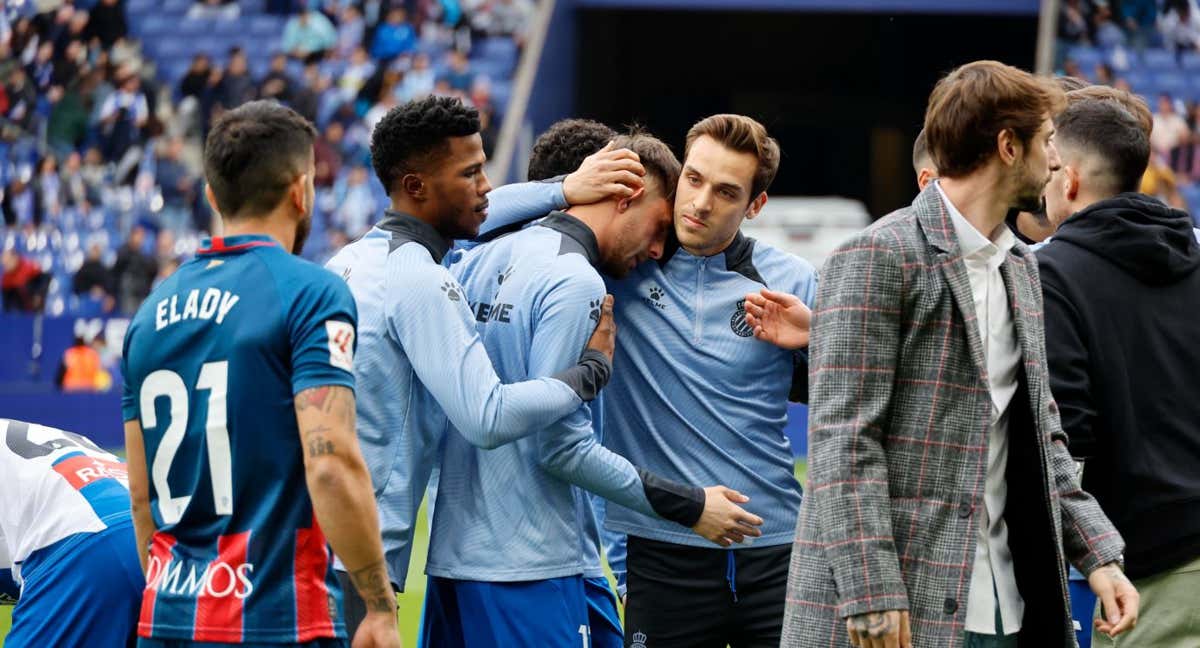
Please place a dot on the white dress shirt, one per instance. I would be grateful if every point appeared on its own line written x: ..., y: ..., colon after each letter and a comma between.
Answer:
x: 993, y: 581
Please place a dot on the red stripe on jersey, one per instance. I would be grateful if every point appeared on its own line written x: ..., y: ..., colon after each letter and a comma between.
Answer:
x: 83, y: 470
x: 160, y: 554
x: 314, y: 619
x: 221, y: 602
x: 218, y: 246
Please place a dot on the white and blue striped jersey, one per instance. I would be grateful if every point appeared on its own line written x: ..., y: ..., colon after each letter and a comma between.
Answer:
x: 421, y: 366
x: 57, y: 485
x: 512, y: 514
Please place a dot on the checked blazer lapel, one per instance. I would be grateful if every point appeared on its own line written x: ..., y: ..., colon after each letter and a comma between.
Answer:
x: 935, y: 222
x: 1023, y: 303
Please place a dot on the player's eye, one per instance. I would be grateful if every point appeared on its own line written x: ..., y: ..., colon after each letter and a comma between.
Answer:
x: 694, y: 180
x: 728, y: 194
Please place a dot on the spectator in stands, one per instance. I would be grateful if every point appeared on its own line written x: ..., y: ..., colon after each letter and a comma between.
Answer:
x: 41, y: 70
x: 1103, y: 74
x: 76, y: 29
x: 193, y: 82
x: 394, y: 37
x: 67, y: 127
x: 94, y: 281
x: 236, y: 85
x: 351, y: 31
x: 47, y: 187
x: 504, y: 18
x: 1170, y: 129
x: 306, y: 97
x: 327, y: 155
x: 166, y: 268
x: 1131, y: 415
x: 1106, y: 32
x: 20, y: 206
x: 134, y: 271
x: 122, y: 117
x: 355, y: 202
x: 72, y: 64
x: 1141, y: 19
x: 1180, y: 24
x: 355, y: 75
x: 1073, y: 22
x: 418, y: 81
x: 22, y: 99
x: 95, y: 171
x: 76, y: 190
x: 178, y: 185
x: 459, y: 76
x: 81, y: 370
x: 23, y: 283
x: 277, y: 83
x: 107, y: 22
x: 308, y: 35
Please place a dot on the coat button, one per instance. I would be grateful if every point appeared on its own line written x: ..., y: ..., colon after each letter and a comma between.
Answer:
x: 964, y: 508
x: 950, y: 606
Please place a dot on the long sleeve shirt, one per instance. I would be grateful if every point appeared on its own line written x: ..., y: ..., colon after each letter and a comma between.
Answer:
x: 511, y: 514
x: 422, y: 366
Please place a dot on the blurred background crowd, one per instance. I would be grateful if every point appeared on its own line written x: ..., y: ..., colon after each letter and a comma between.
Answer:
x: 105, y: 104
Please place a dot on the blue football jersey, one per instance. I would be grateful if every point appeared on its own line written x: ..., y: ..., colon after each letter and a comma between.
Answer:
x: 212, y: 362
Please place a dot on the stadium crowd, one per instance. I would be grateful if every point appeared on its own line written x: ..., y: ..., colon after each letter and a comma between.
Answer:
x: 99, y: 138
x: 1152, y: 48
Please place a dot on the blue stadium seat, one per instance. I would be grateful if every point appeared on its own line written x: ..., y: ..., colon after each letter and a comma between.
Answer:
x: 1191, y: 62
x: 1140, y: 82
x: 177, y: 6
x: 157, y: 25
x: 189, y: 27
x: 175, y: 48
x: 1191, y: 195
x: 1175, y: 84
x: 266, y: 26
x: 135, y: 8
x: 1159, y: 59
x: 1087, y: 57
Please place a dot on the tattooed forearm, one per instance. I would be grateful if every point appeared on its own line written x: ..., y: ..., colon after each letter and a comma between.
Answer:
x: 317, y: 442
x: 318, y: 397
x: 376, y: 590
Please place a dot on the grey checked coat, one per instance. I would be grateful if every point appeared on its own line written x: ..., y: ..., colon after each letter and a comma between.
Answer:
x: 898, y: 428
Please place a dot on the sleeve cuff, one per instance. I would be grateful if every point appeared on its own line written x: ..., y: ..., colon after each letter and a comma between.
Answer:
x: 588, y: 376
x: 673, y: 501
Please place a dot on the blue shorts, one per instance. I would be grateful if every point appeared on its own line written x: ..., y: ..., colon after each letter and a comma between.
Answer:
x: 475, y: 614
x: 84, y: 590
x: 603, y: 617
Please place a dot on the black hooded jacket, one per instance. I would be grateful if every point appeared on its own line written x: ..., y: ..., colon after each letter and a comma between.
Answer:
x: 1122, y: 295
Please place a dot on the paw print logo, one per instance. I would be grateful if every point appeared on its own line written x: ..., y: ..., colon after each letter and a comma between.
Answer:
x: 453, y: 292
x: 503, y: 276
x: 656, y: 293
x: 594, y: 305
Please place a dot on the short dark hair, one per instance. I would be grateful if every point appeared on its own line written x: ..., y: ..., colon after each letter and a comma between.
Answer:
x: 563, y: 147
x: 411, y: 135
x: 920, y: 152
x: 744, y: 135
x: 972, y: 104
x: 253, y: 153
x: 1106, y: 132
x: 660, y: 163
x: 1131, y: 102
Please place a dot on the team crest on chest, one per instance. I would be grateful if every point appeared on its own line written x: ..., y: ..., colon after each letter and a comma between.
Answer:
x: 738, y: 321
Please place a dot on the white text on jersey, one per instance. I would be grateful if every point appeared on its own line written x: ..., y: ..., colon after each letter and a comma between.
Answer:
x: 214, y: 302
x: 217, y: 579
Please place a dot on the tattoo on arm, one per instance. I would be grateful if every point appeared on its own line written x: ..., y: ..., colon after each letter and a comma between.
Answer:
x: 316, y: 442
x: 333, y: 400
x: 376, y: 590
x: 319, y: 397
x: 874, y: 624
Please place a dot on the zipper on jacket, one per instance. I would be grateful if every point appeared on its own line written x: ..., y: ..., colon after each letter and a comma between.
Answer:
x: 698, y: 323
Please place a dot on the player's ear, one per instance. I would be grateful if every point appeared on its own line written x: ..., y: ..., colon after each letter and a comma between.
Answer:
x: 624, y: 204
x: 756, y: 205
x: 299, y: 193
x: 211, y: 198
x: 413, y: 185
